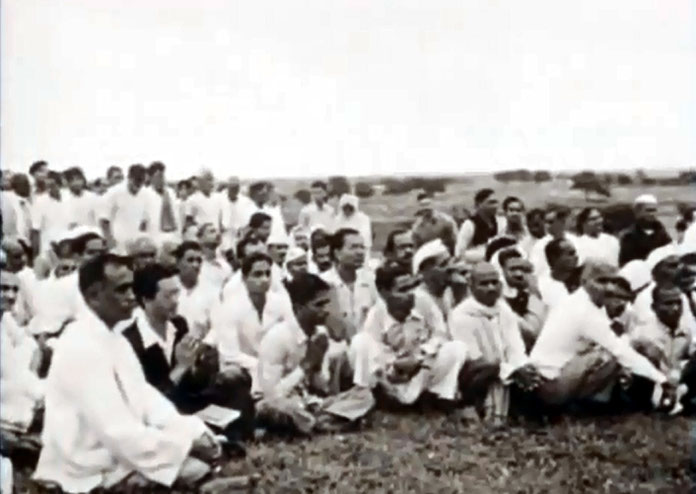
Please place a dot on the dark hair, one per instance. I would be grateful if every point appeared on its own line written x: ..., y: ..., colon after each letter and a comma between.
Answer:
x: 304, y: 287
x: 93, y: 271
x: 553, y: 250
x: 623, y: 285
x: 80, y: 243
x: 498, y: 243
x: 688, y: 259
x: 249, y: 261
x: 74, y: 172
x: 681, y: 225
x: 136, y: 172
x: 534, y: 214
x: 319, y: 184
x: 184, y: 247
x: 507, y: 254
x: 386, y: 275
x: 338, y: 239
x: 146, y: 281
x: 389, y: 245
x: 258, y: 219
x: 184, y: 183
x: 242, y: 244
x: 509, y: 200
x: 256, y: 187
x: 112, y: 170
x: 203, y: 227
x: 55, y: 176
x: 155, y: 167
x: 658, y: 289
x: 36, y: 166
x: 582, y: 218
x: 423, y: 195
x: 559, y: 210
x: 482, y: 195
x: 318, y: 240
x: 18, y: 180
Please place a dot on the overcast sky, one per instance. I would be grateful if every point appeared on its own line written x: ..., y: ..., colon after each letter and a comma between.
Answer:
x: 283, y: 88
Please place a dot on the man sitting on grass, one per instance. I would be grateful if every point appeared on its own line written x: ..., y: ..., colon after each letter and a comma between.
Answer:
x: 398, y: 352
x: 298, y: 395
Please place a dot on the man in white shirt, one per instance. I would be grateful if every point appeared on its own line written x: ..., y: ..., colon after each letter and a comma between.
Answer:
x: 164, y: 221
x: 239, y: 324
x: 234, y: 206
x: 354, y: 291
x: 515, y: 227
x: 318, y: 213
x: 562, y: 279
x: 291, y: 359
x: 432, y: 263
x: 196, y: 298
x: 204, y: 206
x: 398, y: 352
x: 556, y: 219
x: 321, y: 260
x: 664, y: 339
x: 50, y: 216
x: 16, y: 208
x: 489, y: 329
x: 110, y: 425
x: 215, y: 269
x: 259, y: 193
x: 593, y: 243
x: 577, y: 352
x: 82, y: 205
x: 22, y: 390
x: 126, y: 209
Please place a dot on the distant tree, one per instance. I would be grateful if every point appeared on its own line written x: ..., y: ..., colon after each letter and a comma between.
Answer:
x: 542, y: 176
x: 623, y: 179
x: 363, y: 190
x: 339, y: 185
x: 589, y: 182
x: 687, y: 177
x: 304, y: 196
x: 514, y: 176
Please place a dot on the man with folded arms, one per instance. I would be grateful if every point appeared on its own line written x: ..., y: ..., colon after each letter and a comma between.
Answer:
x: 578, y: 353
x: 105, y: 426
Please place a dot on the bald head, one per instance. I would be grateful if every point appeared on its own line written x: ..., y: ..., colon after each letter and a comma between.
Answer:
x: 598, y: 279
x: 206, y: 181
x: 485, y: 283
x: 143, y: 251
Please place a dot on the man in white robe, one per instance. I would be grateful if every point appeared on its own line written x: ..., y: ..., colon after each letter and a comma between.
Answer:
x: 196, y: 297
x: 82, y: 205
x: 109, y: 425
x: 204, y: 206
x: 318, y: 213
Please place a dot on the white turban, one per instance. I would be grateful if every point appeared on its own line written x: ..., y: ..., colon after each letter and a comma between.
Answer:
x: 349, y: 199
x: 278, y: 237
x: 434, y: 248
x: 645, y: 199
x: 660, y: 254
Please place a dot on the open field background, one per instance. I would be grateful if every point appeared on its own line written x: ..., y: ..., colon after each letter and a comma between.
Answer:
x: 389, y: 211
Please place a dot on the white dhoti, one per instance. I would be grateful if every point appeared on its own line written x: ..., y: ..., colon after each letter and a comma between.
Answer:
x: 369, y: 360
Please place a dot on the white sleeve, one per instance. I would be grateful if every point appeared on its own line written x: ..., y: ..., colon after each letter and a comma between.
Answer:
x: 461, y: 328
x: 600, y: 332
x: 154, y: 453
x: 464, y: 237
x: 272, y: 354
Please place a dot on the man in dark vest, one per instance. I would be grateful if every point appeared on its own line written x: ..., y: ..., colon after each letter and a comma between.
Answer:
x: 181, y: 367
x: 482, y: 226
x: 646, y: 234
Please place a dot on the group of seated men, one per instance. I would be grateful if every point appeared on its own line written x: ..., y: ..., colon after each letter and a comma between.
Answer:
x: 148, y: 361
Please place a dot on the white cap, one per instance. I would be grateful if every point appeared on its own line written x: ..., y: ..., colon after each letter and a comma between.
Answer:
x: 295, y: 253
x: 434, y: 248
x: 349, y: 199
x: 645, y: 199
x: 278, y: 237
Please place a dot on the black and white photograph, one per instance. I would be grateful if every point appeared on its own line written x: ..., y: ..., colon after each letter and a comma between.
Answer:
x: 356, y: 246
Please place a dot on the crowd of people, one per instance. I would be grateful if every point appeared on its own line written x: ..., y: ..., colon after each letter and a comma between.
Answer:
x: 148, y: 331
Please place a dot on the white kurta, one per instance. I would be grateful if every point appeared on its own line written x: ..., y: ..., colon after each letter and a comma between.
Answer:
x: 466, y: 235
x: 277, y: 222
x: 383, y: 340
x: 237, y: 329
x: 56, y: 301
x: 311, y: 216
x: 126, y: 212
x: 358, y: 221
x: 538, y: 254
x: 154, y: 223
x: 22, y: 390
x: 572, y: 327
x: 605, y: 248
x: 103, y: 420
x: 82, y: 209
x: 196, y: 305
x: 51, y: 218
x: 204, y: 209
x: 234, y: 213
x: 552, y: 291
x: 494, y: 334
x: 352, y: 303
